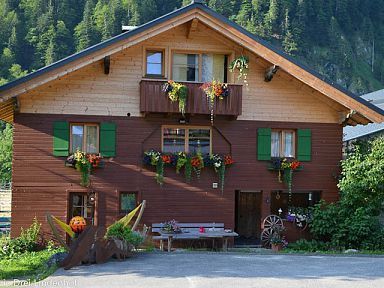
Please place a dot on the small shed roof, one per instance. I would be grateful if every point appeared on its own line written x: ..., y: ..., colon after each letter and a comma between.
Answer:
x: 351, y: 133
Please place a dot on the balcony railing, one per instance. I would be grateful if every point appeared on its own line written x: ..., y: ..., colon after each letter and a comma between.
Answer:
x: 154, y: 100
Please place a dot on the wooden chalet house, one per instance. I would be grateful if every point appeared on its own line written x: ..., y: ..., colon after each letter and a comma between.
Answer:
x: 108, y: 99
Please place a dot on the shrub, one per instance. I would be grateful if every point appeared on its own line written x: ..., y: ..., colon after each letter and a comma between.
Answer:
x: 353, y: 221
x: 28, y: 241
x: 119, y: 231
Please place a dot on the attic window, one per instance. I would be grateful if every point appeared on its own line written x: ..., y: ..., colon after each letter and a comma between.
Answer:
x: 155, y: 63
x: 185, y: 67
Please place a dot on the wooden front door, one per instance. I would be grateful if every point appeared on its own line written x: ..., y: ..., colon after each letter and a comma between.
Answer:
x: 248, y: 217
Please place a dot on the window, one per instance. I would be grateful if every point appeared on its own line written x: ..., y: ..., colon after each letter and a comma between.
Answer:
x: 283, y: 143
x: 155, y: 61
x: 191, y: 140
x: 186, y: 67
x: 85, y: 137
x: 80, y: 206
x: 214, y: 67
x: 128, y: 201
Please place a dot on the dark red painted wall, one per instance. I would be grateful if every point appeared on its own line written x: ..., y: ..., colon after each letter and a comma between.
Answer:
x: 41, y: 182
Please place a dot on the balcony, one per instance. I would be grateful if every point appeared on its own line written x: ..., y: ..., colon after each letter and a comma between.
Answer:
x: 154, y: 100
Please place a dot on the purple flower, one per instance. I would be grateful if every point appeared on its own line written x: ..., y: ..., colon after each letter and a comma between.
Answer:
x: 147, y: 160
x: 291, y: 218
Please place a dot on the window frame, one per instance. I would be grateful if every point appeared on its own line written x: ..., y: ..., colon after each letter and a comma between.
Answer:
x: 84, y: 124
x: 84, y: 198
x: 186, y: 138
x: 282, y: 133
x: 136, y: 193
x: 162, y: 51
x: 228, y: 56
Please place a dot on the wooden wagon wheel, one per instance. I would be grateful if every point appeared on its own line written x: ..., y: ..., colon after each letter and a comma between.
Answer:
x: 272, y: 221
x: 270, y: 224
x: 266, y: 236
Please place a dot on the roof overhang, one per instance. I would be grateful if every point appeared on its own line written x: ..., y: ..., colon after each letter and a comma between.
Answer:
x: 364, y: 112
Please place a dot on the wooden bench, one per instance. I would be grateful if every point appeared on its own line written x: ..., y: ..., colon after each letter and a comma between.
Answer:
x: 191, y: 231
x: 5, y: 224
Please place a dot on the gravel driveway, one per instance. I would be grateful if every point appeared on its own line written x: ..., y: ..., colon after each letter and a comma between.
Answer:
x: 225, y: 270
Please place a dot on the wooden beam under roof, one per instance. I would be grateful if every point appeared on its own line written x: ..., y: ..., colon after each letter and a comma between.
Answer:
x: 7, y: 110
x: 192, y: 28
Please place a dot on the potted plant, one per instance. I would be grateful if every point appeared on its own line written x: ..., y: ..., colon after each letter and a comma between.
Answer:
x: 277, y: 240
x: 171, y: 227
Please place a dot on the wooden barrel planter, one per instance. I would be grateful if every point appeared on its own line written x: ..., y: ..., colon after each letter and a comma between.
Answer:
x: 294, y: 233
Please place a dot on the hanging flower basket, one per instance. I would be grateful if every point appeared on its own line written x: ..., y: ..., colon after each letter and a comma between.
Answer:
x: 214, y: 90
x: 177, y: 92
x: 285, y: 170
x: 85, y: 164
x: 241, y: 64
x: 190, y: 162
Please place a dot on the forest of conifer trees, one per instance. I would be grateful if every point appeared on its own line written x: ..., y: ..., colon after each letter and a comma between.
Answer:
x: 342, y: 39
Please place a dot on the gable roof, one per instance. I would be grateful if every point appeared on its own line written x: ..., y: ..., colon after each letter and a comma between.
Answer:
x: 361, y: 110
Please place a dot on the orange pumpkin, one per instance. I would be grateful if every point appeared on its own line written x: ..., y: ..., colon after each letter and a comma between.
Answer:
x: 77, y: 224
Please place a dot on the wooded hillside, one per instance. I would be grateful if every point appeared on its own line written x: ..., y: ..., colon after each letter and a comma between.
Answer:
x: 342, y: 39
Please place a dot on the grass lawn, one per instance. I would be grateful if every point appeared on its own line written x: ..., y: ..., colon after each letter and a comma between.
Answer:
x: 29, y: 265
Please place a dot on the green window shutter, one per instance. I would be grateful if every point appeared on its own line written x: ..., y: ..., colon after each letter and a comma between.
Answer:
x: 304, y: 144
x: 108, y: 139
x: 264, y: 144
x: 60, y: 138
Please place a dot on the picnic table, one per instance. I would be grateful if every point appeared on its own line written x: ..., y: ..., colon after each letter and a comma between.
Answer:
x: 212, y: 231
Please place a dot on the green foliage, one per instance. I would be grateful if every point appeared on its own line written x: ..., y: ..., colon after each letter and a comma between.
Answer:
x: 5, y: 152
x: 353, y: 222
x: 29, y: 265
x: 241, y: 64
x: 309, y: 246
x: 363, y: 175
x: 121, y: 232
x: 28, y: 241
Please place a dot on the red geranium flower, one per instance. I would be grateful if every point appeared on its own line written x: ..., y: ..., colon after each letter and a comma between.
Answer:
x: 166, y: 159
x: 196, y: 162
x: 295, y: 165
x: 228, y: 160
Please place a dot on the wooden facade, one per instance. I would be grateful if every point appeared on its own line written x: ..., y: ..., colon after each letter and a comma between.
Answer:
x: 88, y: 91
x: 132, y: 104
x: 42, y: 183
